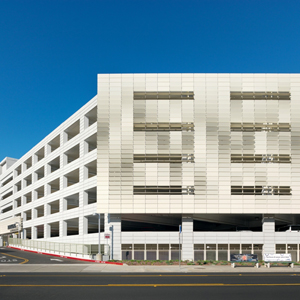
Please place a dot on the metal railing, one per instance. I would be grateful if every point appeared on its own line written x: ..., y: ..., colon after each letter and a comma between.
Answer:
x: 58, y: 248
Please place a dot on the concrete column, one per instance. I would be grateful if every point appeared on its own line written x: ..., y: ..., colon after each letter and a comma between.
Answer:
x: 34, y: 213
x: 82, y: 170
x: 47, y: 170
x: 112, y: 224
x: 61, y: 228
x: 23, y: 234
x: 34, y: 177
x: 85, y: 173
x: 23, y: 201
x: 34, y: 159
x: 64, y: 182
x: 81, y: 149
x: 85, y: 198
x: 268, y: 227
x: 47, y: 149
x: 64, y: 138
x: 85, y: 225
x: 85, y: 122
x: 34, y: 233
x: 47, y: 231
x: 47, y: 190
x: 85, y: 147
x: 187, y: 238
x: 81, y: 226
x: 81, y: 199
x: 82, y: 123
x: 63, y: 160
x: 64, y: 204
x: 64, y: 228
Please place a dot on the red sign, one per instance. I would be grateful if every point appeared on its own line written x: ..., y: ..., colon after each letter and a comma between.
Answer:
x: 107, y: 236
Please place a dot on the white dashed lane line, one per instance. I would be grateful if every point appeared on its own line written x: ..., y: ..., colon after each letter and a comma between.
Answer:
x: 56, y: 259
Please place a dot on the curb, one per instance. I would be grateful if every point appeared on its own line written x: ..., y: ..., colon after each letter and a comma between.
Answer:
x: 69, y: 257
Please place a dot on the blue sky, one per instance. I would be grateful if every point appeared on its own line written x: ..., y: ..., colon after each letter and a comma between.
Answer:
x: 52, y: 50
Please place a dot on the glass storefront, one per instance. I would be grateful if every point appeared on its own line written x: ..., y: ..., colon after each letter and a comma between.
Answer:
x: 201, y: 251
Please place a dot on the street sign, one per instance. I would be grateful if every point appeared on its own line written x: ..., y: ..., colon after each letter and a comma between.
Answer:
x: 277, y: 257
x: 107, y: 236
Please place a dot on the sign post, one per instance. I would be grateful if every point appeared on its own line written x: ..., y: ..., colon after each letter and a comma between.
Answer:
x: 180, y: 229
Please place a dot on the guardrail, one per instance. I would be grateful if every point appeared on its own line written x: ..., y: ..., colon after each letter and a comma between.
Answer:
x: 66, y: 249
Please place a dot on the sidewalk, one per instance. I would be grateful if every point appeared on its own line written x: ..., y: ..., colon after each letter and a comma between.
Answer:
x: 98, y: 268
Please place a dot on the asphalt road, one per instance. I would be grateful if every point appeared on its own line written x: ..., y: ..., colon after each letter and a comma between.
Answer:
x: 149, y: 286
x: 12, y: 256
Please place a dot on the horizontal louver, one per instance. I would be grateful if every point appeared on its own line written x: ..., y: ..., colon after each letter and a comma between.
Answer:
x: 260, y: 95
x: 186, y: 95
x: 163, y: 127
x: 260, y: 127
x: 163, y: 158
x: 163, y: 190
x: 260, y: 158
x: 260, y: 190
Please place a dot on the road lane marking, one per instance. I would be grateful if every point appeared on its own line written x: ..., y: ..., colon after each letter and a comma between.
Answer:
x: 153, y: 285
x: 25, y: 259
x: 165, y: 275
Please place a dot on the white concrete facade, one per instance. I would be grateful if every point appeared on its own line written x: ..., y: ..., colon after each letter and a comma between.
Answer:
x: 26, y: 186
x: 215, y: 153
